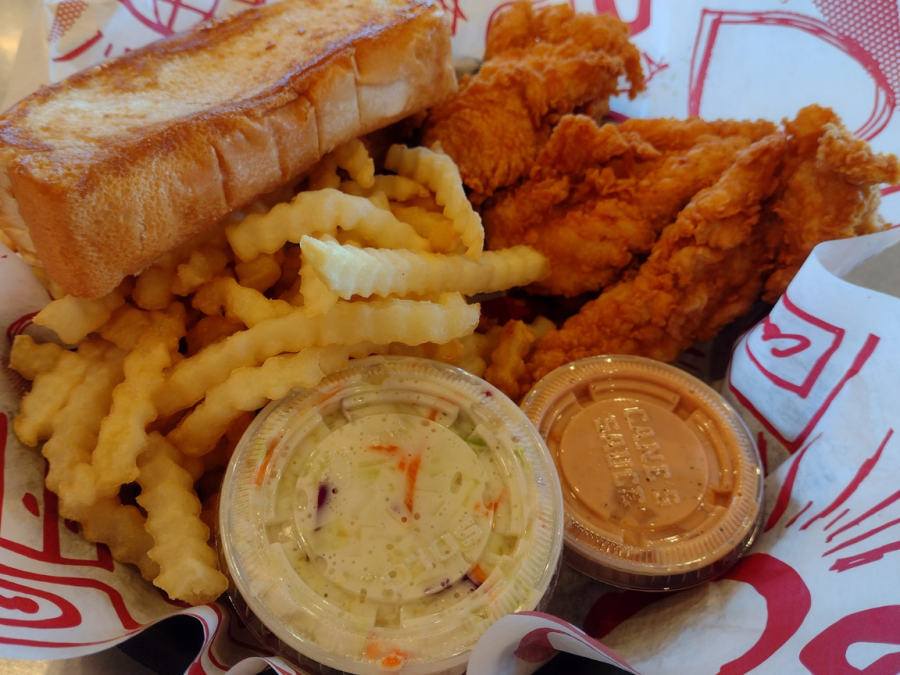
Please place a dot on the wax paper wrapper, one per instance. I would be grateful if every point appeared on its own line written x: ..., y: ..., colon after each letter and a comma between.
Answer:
x: 814, y: 380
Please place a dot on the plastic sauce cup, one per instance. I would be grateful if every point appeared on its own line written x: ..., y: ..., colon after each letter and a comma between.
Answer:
x: 662, y: 483
x: 384, y: 519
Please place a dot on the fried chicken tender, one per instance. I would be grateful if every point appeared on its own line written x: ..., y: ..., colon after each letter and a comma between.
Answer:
x: 702, y: 273
x: 829, y: 190
x: 538, y: 66
x: 745, y: 236
x: 598, y: 197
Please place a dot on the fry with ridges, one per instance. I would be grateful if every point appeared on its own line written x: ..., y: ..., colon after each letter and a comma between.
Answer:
x: 323, y: 211
x: 395, y: 188
x: 353, y: 158
x: 122, y: 435
x: 349, y: 271
x: 250, y: 388
x: 29, y: 359
x: 439, y: 173
x: 380, y: 321
x: 76, y: 426
x: 188, y: 567
x: 74, y: 318
x: 51, y: 391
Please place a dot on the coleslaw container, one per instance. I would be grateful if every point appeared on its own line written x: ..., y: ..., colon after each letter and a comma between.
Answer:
x: 662, y: 483
x: 384, y: 519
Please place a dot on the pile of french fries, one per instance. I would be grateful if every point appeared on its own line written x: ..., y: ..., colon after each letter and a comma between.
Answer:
x: 169, y: 369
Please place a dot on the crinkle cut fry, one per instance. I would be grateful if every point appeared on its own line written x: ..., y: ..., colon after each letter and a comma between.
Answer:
x: 704, y: 270
x: 51, y: 390
x: 122, y: 435
x: 30, y: 359
x: 250, y: 388
x: 76, y: 426
x: 322, y: 211
x: 379, y: 321
x: 349, y: 271
x: 188, y: 566
x: 439, y: 173
x: 395, y: 188
x: 74, y: 318
x: 507, y: 367
x: 239, y: 302
x: 70, y: 403
x: 355, y: 160
x: 120, y: 527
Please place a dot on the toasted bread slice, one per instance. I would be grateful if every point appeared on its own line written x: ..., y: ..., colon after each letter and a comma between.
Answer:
x: 113, y: 167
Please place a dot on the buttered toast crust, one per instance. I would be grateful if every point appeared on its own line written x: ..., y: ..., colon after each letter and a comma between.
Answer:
x: 106, y: 171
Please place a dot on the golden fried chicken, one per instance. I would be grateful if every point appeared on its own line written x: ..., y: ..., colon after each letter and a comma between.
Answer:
x: 538, y: 66
x: 747, y: 234
x: 597, y: 197
x: 829, y: 190
x: 702, y: 273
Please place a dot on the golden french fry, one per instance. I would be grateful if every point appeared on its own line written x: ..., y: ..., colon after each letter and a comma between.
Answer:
x: 439, y: 173
x: 250, y: 388
x: 210, y: 298
x: 317, y: 298
x: 30, y: 359
x: 122, y: 435
x: 128, y: 324
x: 476, y: 351
x: 188, y: 566
x: 204, y: 264
x: 365, y: 272
x: 153, y: 288
x: 74, y: 318
x: 239, y: 303
x: 395, y: 188
x: 194, y: 466
x: 380, y: 200
x: 51, y: 390
x: 262, y: 272
x: 76, y: 425
x: 380, y: 322
x: 125, y: 326
x: 219, y: 456
x: 353, y: 157
x: 252, y: 307
x: 324, y: 174
x: 433, y: 225
x: 120, y: 527
x: 507, y: 367
x: 449, y: 352
x: 209, y: 330
x: 323, y: 211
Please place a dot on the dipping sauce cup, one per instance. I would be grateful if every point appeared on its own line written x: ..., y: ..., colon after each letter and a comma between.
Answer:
x: 662, y: 483
x: 383, y: 520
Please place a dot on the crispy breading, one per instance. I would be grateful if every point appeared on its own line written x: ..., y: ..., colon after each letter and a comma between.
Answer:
x: 702, y: 273
x: 538, y: 66
x: 598, y: 196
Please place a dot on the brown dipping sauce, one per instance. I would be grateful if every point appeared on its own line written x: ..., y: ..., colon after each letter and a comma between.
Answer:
x: 662, y: 484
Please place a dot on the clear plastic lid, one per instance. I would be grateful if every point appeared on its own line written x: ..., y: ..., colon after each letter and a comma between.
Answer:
x: 662, y: 483
x: 384, y: 519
